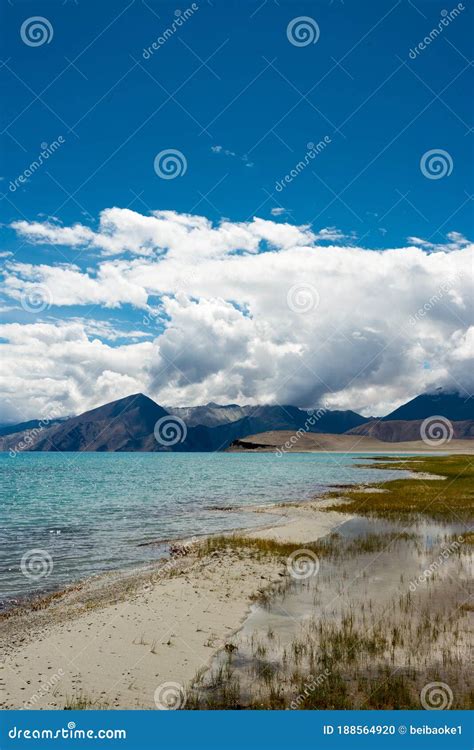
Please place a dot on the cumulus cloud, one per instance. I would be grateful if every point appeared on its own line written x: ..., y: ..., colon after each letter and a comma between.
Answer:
x: 249, y: 312
x: 124, y: 231
x: 456, y: 242
x: 58, y: 369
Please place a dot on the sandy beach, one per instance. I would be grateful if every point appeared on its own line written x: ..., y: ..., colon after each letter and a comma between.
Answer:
x: 227, y: 622
x: 112, y: 641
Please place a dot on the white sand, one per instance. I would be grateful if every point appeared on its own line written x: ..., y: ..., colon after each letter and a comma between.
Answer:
x: 118, y: 640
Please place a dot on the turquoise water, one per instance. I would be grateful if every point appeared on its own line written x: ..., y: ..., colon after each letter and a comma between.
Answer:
x: 94, y: 512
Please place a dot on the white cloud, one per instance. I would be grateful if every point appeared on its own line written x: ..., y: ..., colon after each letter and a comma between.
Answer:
x: 229, y: 333
x: 456, y: 242
x: 122, y: 230
x: 53, y: 234
x: 228, y: 152
x: 331, y: 234
x: 57, y: 368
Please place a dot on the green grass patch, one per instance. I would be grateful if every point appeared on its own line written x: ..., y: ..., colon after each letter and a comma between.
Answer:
x: 451, y: 496
x: 264, y: 547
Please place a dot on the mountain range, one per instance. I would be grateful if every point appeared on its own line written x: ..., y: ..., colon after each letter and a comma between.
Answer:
x: 137, y: 423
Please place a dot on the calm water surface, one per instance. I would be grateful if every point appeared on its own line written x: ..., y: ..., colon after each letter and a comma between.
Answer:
x: 94, y: 512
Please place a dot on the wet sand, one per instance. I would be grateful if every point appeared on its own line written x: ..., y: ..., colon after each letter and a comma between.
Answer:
x: 387, y: 612
x: 112, y: 641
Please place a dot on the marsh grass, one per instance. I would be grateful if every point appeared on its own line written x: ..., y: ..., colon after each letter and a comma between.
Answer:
x: 360, y: 652
x: 257, y: 546
x: 332, y: 545
x: 82, y: 701
x: 447, y: 497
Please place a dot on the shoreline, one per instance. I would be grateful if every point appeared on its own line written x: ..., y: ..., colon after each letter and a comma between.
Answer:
x: 111, y: 640
x: 115, y: 639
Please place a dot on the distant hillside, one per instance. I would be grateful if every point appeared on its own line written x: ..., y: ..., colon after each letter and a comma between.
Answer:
x: 32, y: 424
x: 128, y: 424
x: 281, y: 443
x: 210, y: 415
x: 402, y: 430
x: 450, y: 405
x: 275, y: 417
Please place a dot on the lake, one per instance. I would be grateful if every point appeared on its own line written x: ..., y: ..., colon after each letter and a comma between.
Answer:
x: 88, y: 513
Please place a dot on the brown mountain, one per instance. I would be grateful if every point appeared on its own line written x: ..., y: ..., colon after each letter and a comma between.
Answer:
x: 129, y: 423
x: 123, y: 425
x: 402, y: 430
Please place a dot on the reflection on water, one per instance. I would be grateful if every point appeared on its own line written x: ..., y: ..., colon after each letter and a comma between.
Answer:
x: 388, y: 604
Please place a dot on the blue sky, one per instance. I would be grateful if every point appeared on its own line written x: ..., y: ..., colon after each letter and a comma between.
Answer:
x: 251, y: 98
x: 240, y: 102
